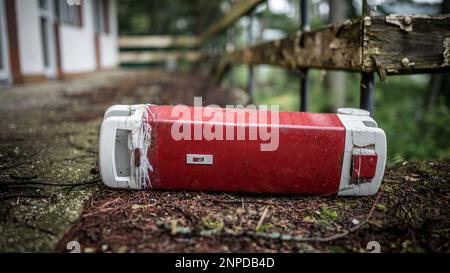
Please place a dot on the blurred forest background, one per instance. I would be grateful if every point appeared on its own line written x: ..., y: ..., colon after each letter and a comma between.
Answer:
x: 413, y: 110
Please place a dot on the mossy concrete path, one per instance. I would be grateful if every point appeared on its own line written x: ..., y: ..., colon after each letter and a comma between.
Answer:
x: 49, y: 140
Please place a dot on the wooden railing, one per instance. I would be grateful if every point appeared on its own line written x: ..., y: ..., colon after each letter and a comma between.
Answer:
x: 370, y: 44
x: 156, y: 49
x: 395, y: 44
x: 150, y: 49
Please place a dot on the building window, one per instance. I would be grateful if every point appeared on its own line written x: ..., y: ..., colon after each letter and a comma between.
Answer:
x: 43, y: 4
x: 45, y: 45
x: 101, y: 16
x: 2, y: 40
x: 69, y: 14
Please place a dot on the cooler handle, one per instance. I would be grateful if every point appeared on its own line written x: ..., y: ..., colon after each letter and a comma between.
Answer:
x: 107, y: 148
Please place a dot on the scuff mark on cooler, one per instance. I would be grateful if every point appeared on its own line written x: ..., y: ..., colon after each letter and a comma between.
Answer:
x: 138, y: 145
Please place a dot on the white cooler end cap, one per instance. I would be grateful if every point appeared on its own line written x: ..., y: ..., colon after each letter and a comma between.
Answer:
x: 361, y: 133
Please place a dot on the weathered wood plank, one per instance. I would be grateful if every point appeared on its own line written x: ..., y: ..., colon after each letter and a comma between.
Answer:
x: 237, y: 10
x: 404, y: 44
x: 157, y: 41
x: 332, y: 47
x: 386, y: 45
x: 139, y: 57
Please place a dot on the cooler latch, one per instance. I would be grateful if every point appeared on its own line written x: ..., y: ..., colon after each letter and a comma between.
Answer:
x: 364, y: 163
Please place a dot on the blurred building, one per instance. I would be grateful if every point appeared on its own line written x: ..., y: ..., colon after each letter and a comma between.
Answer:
x: 51, y: 39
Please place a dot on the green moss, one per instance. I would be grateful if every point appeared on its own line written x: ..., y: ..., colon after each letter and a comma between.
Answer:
x: 328, y: 214
x: 336, y: 249
x: 264, y: 227
x: 381, y: 207
x: 211, y: 223
x: 310, y: 219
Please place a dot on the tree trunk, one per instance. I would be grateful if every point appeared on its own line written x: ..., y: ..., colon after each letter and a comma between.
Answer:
x: 335, y: 84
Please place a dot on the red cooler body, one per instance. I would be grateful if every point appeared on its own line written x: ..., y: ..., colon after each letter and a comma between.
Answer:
x: 241, y: 150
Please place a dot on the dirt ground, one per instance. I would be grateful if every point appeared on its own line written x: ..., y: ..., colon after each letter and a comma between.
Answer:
x: 51, y: 194
x: 410, y: 214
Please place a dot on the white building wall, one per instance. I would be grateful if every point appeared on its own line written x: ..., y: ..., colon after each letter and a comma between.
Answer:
x: 108, y: 42
x: 4, y: 48
x: 30, y: 47
x: 77, y: 44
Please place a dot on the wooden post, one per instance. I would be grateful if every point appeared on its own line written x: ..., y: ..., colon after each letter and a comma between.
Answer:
x: 367, y: 86
x: 367, y: 91
x: 251, y: 80
x: 237, y: 10
x: 229, y: 42
x: 304, y: 80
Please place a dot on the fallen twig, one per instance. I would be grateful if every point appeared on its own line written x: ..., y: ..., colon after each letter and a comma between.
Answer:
x: 13, y: 164
x: 39, y: 229
x: 39, y: 196
x: 373, y: 206
x: 18, y: 177
x: 262, y: 218
x: 39, y: 183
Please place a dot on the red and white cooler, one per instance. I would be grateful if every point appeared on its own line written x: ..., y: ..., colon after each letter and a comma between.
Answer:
x: 314, y: 153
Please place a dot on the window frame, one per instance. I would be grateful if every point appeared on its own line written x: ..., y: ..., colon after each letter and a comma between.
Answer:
x: 66, y: 14
x: 102, y: 23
